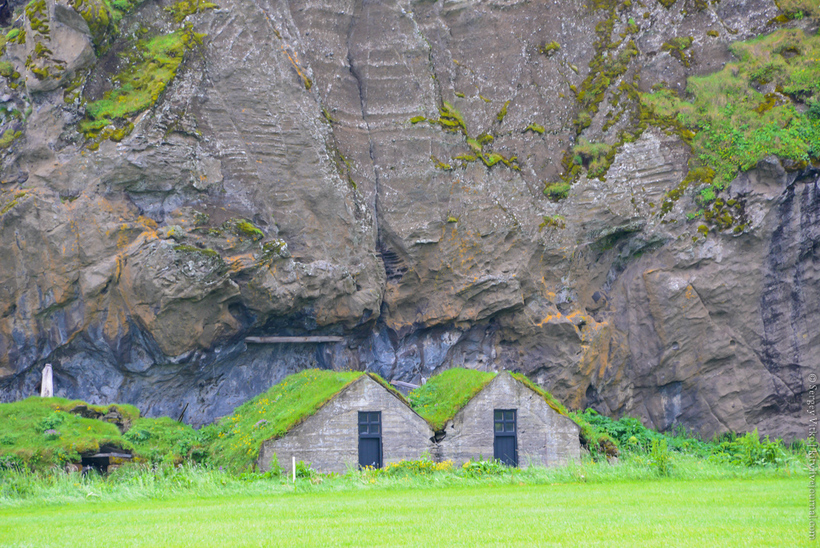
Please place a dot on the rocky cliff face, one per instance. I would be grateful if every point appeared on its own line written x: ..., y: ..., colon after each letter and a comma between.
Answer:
x: 376, y: 170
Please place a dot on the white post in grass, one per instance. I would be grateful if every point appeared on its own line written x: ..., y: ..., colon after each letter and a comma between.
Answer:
x: 293, y: 467
x: 47, y: 383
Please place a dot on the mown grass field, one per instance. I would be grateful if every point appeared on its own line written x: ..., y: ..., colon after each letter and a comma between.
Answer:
x: 753, y: 511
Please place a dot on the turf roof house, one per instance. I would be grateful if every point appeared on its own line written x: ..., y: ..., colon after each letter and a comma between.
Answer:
x: 362, y: 421
x: 504, y: 416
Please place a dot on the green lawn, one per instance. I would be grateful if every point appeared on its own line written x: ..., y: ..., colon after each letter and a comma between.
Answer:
x: 698, y: 513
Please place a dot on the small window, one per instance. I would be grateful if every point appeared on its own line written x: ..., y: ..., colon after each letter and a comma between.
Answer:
x: 369, y: 423
x: 504, y: 421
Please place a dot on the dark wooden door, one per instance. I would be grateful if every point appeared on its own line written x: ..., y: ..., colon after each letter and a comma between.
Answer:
x: 370, y: 438
x: 505, y: 446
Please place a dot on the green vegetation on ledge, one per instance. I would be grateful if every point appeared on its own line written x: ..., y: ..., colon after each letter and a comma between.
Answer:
x: 767, y: 102
x: 451, y: 120
x: 10, y: 199
x: 102, y: 16
x: 535, y: 128
x: 550, y: 48
x: 151, y: 66
x: 609, y: 66
x: 204, y: 251
x: 679, y: 49
x: 8, y: 137
x: 595, y: 157
x: 184, y: 8
x: 797, y: 9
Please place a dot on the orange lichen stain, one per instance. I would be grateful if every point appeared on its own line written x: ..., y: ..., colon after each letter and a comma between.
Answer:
x: 575, y: 314
x: 122, y: 239
x: 690, y: 292
x: 238, y: 263
x: 549, y: 318
x: 118, y: 270
x: 294, y: 60
x: 147, y: 222
x: 114, y: 322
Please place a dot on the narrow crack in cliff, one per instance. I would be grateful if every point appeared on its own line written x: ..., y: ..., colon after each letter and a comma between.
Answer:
x: 357, y: 9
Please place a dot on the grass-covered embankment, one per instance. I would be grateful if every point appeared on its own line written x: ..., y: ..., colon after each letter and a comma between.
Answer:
x: 40, y: 433
x: 594, y: 504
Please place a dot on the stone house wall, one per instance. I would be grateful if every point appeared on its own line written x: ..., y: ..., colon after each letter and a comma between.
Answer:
x: 329, y: 439
x: 545, y: 437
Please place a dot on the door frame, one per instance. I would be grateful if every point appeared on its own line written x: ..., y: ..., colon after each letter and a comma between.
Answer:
x: 370, y: 434
x: 506, y: 433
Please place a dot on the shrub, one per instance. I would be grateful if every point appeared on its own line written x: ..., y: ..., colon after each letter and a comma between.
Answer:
x: 422, y: 466
x: 557, y: 191
x: 479, y: 468
x: 749, y: 450
x: 660, y: 458
x: 304, y: 470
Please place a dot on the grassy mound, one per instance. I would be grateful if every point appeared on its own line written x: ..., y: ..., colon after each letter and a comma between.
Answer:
x: 446, y: 393
x: 42, y: 432
x: 165, y: 440
x: 235, y: 441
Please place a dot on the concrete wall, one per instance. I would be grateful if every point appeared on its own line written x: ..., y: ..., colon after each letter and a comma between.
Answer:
x: 329, y: 440
x: 545, y: 437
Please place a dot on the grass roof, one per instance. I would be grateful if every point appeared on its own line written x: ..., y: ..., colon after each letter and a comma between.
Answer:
x: 441, y: 397
x: 549, y: 398
x: 42, y: 432
x: 236, y: 439
x: 592, y: 437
